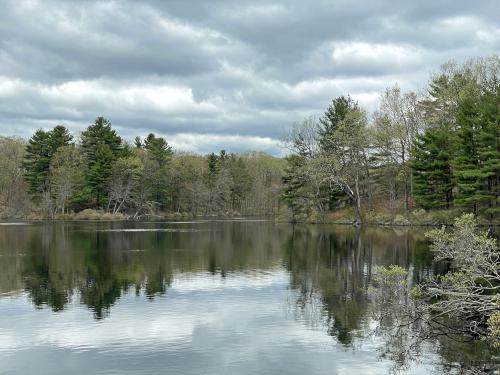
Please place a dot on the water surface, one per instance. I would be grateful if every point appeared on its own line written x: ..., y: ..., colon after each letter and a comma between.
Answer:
x: 200, y: 297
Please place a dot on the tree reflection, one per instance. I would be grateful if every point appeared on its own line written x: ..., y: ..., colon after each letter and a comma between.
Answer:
x: 65, y: 261
x: 331, y: 270
x: 337, y: 265
x: 334, y: 272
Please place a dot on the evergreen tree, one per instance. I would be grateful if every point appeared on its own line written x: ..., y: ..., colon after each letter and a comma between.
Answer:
x: 99, y: 133
x: 37, y: 162
x: 431, y: 165
x: 158, y: 149
x: 488, y: 148
x: 101, y: 147
x: 297, y: 190
x: 469, y: 176
x: 59, y: 137
x: 157, y: 170
x: 39, y: 152
x: 138, y: 142
x: 99, y: 173
x: 333, y: 115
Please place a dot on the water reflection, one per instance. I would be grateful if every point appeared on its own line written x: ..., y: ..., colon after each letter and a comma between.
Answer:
x: 220, y: 283
x: 336, y: 264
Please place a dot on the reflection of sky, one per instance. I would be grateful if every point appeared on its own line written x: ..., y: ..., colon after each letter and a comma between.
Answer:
x: 204, y: 324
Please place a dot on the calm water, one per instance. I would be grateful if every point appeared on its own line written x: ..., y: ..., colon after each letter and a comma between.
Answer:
x: 237, y: 297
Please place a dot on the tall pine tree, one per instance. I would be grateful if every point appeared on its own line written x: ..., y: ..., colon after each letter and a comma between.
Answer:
x: 468, y: 172
x: 101, y: 147
x: 431, y: 165
x: 39, y: 152
x: 334, y: 114
x: 488, y: 148
x: 157, y: 167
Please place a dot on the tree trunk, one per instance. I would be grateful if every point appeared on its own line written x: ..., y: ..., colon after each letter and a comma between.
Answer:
x: 357, y: 204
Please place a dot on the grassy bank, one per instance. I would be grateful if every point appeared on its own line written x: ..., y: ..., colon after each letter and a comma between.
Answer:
x: 386, y: 217
x: 100, y: 215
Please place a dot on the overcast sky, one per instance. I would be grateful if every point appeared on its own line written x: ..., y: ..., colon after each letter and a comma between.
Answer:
x: 221, y: 74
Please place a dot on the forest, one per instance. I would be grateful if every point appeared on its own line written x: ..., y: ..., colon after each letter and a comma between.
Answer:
x: 432, y: 151
x: 436, y: 150
x: 52, y: 176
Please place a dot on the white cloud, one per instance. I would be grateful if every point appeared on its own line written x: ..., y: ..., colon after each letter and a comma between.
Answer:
x: 204, y: 143
x: 223, y: 72
x: 363, y: 53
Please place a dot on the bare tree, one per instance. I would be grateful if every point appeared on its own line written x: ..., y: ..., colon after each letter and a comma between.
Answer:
x: 11, y: 172
x: 65, y: 175
x: 397, y: 122
x: 124, y: 180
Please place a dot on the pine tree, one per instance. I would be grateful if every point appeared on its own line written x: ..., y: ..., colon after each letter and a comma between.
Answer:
x: 99, y: 174
x: 101, y: 147
x: 37, y: 162
x: 297, y: 190
x: 158, y: 149
x: 488, y: 148
x: 157, y: 170
x: 100, y: 132
x: 468, y: 172
x: 59, y: 137
x: 39, y: 152
x: 333, y: 115
x: 432, y: 174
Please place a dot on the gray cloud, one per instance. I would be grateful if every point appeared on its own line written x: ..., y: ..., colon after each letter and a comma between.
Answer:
x: 206, y: 74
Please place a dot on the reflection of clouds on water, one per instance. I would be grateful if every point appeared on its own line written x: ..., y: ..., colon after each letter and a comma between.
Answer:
x: 205, y: 281
x: 238, y: 322
x: 237, y: 297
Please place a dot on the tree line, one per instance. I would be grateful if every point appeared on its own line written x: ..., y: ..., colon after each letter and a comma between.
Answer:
x: 434, y: 150
x: 57, y: 174
x: 437, y: 149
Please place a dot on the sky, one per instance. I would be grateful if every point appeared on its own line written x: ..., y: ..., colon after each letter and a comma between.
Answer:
x: 221, y: 74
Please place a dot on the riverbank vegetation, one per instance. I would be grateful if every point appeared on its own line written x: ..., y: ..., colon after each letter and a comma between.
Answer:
x: 422, y: 158
x: 100, y: 176
x: 432, y: 151
x: 460, y: 304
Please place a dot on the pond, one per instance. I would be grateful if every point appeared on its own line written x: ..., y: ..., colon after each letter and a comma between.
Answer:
x: 203, y: 297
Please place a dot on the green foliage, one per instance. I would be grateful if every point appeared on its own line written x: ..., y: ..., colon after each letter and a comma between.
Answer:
x: 468, y: 174
x: 469, y: 292
x: 158, y: 149
x: 157, y: 171
x: 494, y: 329
x: 334, y: 114
x: 297, y: 192
x: 452, y: 136
x: 101, y: 146
x: 460, y: 151
x: 390, y: 277
x: 100, y: 133
x: 432, y: 171
x: 40, y: 149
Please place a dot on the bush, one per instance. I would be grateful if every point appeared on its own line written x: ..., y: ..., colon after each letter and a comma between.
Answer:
x: 90, y: 214
x: 470, y: 291
x: 400, y: 220
x: 494, y: 329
